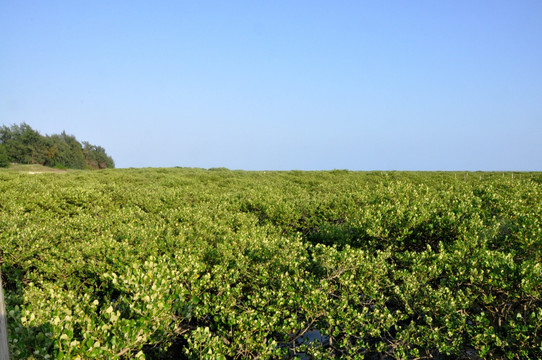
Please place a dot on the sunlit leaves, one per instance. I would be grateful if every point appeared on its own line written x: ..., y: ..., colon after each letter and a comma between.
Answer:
x: 224, y: 264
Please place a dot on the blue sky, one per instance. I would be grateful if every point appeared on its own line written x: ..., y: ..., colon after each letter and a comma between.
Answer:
x: 311, y: 85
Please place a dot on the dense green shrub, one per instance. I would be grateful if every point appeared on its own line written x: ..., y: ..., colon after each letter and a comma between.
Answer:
x: 190, y: 263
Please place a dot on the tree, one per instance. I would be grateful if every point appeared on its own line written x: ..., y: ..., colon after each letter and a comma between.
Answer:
x: 23, y: 144
x: 96, y: 157
x: 4, y: 160
x: 65, y: 151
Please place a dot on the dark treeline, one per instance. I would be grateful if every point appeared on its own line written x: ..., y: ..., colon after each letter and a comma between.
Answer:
x: 24, y: 145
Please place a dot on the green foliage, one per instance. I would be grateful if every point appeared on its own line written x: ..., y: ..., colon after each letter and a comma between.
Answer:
x: 23, y: 144
x: 190, y: 263
x: 4, y: 159
x: 65, y: 151
x: 26, y: 146
x: 96, y: 157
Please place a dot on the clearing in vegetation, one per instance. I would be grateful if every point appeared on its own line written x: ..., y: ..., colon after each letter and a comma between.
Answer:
x: 191, y: 263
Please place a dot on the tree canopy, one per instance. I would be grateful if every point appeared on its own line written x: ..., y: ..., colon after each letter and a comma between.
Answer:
x: 4, y: 160
x: 24, y: 145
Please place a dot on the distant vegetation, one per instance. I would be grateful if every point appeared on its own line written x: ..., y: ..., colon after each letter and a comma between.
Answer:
x: 24, y: 145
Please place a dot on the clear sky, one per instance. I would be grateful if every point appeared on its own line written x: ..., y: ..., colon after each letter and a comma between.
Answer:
x: 310, y: 85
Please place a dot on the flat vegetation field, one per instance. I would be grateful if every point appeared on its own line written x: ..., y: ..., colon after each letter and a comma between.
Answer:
x: 218, y: 264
